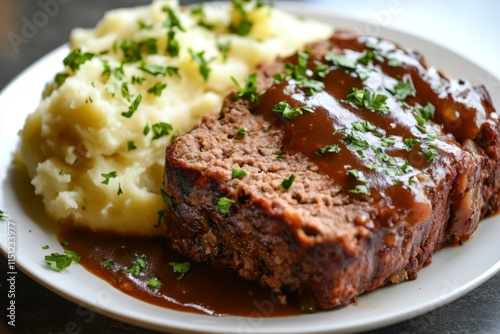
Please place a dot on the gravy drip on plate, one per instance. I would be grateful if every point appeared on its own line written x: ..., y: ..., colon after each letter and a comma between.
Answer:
x: 202, y: 289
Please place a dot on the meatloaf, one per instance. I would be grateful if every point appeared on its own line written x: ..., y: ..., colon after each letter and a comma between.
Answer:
x: 335, y: 171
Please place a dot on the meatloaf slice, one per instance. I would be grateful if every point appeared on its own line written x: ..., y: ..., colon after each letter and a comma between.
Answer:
x: 336, y: 171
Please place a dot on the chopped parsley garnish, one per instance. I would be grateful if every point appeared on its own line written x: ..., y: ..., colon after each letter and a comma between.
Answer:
x: 402, y: 90
x: 424, y: 114
x: 125, y: 92
x: 107, y: 176
x: 199, y: 58
x: 393, y: 62
x: 172, y: 47
x: 339, y: 60
x: 429, y: 154
x: 157, y: 88
x: 288, y: 181
x: 384, y: 157
x: 223, y: 204
x: 58, y: 262
x: 243, y: 26
x: 224, y: 49
x: 328, y: 149
x: 120, y: 191
x: 360, y: 189
x: 133, y: 51
x: 288, y: 112
x: 364, y: 126
x: 137, y: 80
x: 387, y: 141
x: 241, y: 132
x: 131, y: 145
x: 410, y: 142
x: 118, y: 72
x: 139, y: 263
x: 321, y: 69
x: 144, y: 25
x: 76, y: 58
x: 237, y: 173
x: 355, y: 142
x: 370, y: 100
x: 64, y: 243
x: 133, y: 107
x: 107, y: 263
x: 154, y: 283
x: 172, y: 21
x: 180, y: 268
x: 366, y: 57
x: 249, y: 91
x: 166, y: 199
x: 161, y: 129
x: 45, y: 247
x: 146, y: 129
x: 198, y: 10
x: 60, y: 78
x: 301, y: 74
x: 153, y: 69
x: 355, y: 173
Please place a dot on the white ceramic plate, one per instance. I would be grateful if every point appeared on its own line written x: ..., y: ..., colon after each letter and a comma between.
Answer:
x: 453, y: 272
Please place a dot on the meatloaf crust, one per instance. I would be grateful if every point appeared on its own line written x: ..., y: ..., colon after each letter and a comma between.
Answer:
x: 316, y: 239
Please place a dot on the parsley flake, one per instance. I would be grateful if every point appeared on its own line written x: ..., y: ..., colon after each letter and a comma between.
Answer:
x: 180, y: 268
x: 154, y: 283
x: 429, y: 154
x: 370, y: 100
x: 172, y: 47
x: 424, y: 114
x: 107, y: 263
x: 355, y: 142
x: 172, y: 21
x: 288, y: 112
x: 58, y: 262
x: 334, y: 148
x: 76, y: 58
x: 166, y: 199
x: 139, y: 263
x: 287, y: 182
x: 199, y: 58
x: 340, y: 60
x: 241, y: 132
x: 157, y: 88
x: 402, y: 90
x: 161, y: 129
x: 153, y: 69
x: 249, y: 91
x: 133, y: 107
x: 237, y: 173
x: 131, y: 145
x: 107, y: 176
x: 360, y: 189
x: 223, y: 204
x: 125, y: 92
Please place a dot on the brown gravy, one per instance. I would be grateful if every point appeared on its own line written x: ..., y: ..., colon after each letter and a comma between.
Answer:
x: 380, y: 155
x: 203, y: 289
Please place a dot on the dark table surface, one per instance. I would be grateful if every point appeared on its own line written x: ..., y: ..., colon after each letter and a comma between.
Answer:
x: 41, y: 311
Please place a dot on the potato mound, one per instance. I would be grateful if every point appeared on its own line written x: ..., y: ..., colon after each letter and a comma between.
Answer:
x: 94, y: 147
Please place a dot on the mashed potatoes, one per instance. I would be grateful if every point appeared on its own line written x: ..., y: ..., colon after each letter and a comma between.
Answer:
x: 95, y: 146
